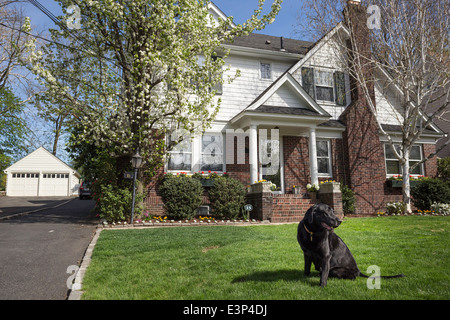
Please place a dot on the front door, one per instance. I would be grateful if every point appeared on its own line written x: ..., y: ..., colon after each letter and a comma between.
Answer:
x: 270, y: 158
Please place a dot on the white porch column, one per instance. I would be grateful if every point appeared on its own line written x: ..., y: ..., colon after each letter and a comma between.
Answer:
x: 253, y: 154
x: 313, y: 156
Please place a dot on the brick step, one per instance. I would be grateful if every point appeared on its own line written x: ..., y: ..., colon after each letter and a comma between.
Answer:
x: 289, y: 208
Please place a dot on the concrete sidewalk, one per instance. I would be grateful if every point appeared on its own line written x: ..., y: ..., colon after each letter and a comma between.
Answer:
x: 17, y: 206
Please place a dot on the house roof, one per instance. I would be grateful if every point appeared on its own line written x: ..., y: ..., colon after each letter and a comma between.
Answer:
x: 287, y: 110
x: 272, y: 43
x: 398, y: 128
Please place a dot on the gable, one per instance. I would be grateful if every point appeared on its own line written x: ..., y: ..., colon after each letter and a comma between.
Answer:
x: 286, y: 92
x: 286, y: 96
x: 39, y: 160
x: 216, y: 14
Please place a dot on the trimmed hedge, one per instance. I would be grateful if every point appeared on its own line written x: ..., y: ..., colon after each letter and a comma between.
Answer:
x: 181, y: 195
x: 227, y: 197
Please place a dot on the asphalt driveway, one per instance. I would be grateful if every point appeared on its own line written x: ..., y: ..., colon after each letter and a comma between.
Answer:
x: 37, y: 249
x: 10, y: 206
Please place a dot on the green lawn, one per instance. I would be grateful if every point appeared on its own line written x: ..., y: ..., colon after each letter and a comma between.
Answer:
x: 265, y: 262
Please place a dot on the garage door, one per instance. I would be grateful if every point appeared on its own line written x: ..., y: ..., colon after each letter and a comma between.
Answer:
x: 23, y: 185
x: 54, y: 184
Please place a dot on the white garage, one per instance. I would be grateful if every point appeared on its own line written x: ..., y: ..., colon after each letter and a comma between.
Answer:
x: 41, y: 174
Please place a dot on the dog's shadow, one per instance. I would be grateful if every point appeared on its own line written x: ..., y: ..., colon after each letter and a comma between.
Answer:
x: 288, y: 275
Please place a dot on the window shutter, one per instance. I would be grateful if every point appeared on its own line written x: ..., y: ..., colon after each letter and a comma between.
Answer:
x: 308, y: 81
x: 339, y: 83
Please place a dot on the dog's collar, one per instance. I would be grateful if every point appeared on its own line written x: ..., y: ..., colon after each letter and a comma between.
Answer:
x: 310, y: 233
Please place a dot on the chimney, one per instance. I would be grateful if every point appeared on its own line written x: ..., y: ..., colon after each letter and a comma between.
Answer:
x: 282, y: 44
x: 363, y: 150
x: 355, y: 18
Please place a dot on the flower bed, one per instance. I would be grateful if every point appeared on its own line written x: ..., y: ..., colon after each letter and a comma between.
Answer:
x: 182, y: 223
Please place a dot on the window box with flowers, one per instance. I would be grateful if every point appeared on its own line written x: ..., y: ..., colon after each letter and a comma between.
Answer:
x: 206, y: 178
x: 396, y: 181
x: 329, y: 186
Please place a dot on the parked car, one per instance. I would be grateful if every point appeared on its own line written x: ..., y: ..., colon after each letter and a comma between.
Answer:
x: 84, y: 191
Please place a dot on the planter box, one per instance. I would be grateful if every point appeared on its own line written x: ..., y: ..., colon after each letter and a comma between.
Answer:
x: 312, y: 195
x: 260, y: 187
x: 399, y: 183
x: 331, y: 187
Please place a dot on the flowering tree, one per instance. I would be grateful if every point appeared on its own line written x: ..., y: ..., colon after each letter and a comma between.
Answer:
x: 137, y: 70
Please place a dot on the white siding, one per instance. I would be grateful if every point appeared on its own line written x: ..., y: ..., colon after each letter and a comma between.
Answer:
x: 327, y: 57
x: 39, y: 158
x: 243, y: 90
x: 388, y: 110
x: 285, y: 97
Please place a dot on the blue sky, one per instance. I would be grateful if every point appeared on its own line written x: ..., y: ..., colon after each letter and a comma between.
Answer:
x: 239, y: 9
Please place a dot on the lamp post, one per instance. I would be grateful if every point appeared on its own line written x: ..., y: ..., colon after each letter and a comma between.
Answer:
x: 136, y: 162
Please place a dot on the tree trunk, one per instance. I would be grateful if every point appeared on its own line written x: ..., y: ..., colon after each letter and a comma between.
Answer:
x: 406, y: 187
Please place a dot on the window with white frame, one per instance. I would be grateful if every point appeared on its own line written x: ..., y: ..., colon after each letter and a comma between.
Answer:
x: 324, y: 158
x: 393, y: 166
x: 203, y: 153
x: 324, y: 85
x: 180, y: 155
x: 266, y: 71
x: 211, y: 155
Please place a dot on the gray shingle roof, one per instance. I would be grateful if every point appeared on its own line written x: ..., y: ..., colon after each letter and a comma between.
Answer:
x: 272, y: 43
x: 287, y: 110
x: 398, y: 128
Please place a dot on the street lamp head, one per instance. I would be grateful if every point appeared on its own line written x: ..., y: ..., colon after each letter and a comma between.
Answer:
x: 136, y: 160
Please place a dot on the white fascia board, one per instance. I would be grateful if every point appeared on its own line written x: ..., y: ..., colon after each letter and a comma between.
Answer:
x: 424, y: 139
x: 261, y: 53
x: 212, y: 7
x: 262, y: 118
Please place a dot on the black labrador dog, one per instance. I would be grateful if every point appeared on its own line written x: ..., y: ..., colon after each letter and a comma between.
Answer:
x: 324, y: 248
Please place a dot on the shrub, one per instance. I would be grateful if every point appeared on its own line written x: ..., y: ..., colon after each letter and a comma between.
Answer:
x: 428, y: 191
x: 348, y: 199
x: 227, y: 197
x: 395, y: 207
x: 181, y: 195
x: 444, y: 169
x: 113, y: 203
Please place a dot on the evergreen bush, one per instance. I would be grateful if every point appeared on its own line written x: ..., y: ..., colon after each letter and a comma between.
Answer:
x: 181, y: 195
x: 227, y: 197
x: 427, y: 191
x: 113, y: 203
x: 348, y: 199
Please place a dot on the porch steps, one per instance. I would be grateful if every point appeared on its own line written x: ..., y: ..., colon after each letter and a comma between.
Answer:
x: 289, y: 207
